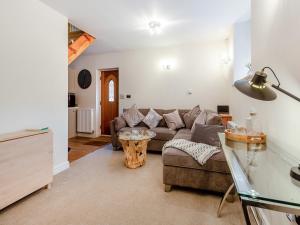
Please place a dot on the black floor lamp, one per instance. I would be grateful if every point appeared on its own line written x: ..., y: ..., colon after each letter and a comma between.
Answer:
x: 256, y: 88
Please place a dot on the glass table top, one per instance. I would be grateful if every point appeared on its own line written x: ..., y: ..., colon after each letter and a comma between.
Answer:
x: 136, y: 135
x: 260, y: 173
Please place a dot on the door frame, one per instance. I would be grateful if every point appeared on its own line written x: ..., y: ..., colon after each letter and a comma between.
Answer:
x: 101, y: 94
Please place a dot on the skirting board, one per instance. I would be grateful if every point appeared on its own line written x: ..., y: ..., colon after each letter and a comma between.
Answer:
x: 61, y: 167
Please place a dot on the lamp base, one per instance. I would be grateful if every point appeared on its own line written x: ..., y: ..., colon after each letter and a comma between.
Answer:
x: 295, y: 173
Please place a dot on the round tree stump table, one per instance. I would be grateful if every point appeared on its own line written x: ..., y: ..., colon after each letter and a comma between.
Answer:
x: 134, y: 144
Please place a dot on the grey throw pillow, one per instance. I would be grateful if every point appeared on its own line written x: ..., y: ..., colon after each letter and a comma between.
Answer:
x: 173, y: 120
x: 152, y: 118
x: 133, y: 116
x: 190, y: 116
x: 207, y: 134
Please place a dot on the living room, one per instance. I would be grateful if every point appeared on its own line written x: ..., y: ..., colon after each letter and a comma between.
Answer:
x: 176, y: 60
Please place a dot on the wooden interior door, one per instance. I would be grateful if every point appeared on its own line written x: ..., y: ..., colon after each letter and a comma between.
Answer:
x: 109, y: 98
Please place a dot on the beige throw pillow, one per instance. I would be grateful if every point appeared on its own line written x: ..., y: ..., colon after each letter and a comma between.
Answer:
x: 190, y: 116
x: 152, y: 118
x: 173, y: 120
x: 133, y: 116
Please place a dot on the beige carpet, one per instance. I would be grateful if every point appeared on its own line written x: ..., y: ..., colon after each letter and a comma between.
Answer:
x: 99, y: 190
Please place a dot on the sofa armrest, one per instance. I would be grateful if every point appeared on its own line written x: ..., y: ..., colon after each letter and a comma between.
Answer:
x: 114, y: 134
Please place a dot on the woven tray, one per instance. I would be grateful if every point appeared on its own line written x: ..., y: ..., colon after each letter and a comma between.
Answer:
x: 250, y: 139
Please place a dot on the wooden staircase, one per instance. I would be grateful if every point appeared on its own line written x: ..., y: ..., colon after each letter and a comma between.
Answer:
x: 79, y: 41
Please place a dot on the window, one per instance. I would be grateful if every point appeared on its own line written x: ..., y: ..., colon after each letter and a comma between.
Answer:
x: 111, y: 91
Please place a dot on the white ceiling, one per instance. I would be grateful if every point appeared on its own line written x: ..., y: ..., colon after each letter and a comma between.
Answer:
x: 122, y: 24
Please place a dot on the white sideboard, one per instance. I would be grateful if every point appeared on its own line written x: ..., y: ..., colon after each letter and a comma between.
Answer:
x: 72, y: 114
x: 26, y: 164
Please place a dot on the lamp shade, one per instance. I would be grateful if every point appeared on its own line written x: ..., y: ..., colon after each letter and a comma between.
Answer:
x: 256, y: 87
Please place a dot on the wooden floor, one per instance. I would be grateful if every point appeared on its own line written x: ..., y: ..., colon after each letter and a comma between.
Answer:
x: 81, y: 146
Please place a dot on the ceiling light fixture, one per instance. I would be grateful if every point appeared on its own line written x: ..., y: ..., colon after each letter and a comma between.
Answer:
x: 154, y: 27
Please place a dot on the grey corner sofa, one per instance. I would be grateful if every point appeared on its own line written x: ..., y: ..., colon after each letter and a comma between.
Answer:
x: 180, y: 169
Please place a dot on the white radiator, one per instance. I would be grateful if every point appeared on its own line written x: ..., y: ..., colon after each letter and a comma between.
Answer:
x: 85, y: 121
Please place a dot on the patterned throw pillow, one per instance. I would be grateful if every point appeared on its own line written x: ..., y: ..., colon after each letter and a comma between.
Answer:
x: 152, y: 118
x: 173, y: 120
x: 190, y: 116
x: 133, y: 116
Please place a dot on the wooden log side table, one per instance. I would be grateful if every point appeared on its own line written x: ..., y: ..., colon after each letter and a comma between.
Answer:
x: 134, y: 144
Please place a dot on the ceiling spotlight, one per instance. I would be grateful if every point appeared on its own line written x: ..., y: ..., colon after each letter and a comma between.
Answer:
x: 154, y: 27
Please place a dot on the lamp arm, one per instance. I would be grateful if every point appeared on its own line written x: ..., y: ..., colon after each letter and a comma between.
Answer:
x: 277, y: 87
x: 285, y: 92
x: 266, y: 67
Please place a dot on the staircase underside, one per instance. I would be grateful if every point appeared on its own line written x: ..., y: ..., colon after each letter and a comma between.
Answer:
x: 79, y: 45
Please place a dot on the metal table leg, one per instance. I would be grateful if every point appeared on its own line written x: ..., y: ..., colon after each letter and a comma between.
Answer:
x: 246, y: 214
x: 224, y: 199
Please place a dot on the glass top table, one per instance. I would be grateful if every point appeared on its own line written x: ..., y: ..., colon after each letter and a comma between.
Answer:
x: 134, y: 144
x: 261, y: 177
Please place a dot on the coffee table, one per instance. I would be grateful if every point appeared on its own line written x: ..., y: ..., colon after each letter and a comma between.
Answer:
x: 134, y: 144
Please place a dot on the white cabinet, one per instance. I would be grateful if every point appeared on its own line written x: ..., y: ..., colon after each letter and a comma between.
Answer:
x: 72, y: 122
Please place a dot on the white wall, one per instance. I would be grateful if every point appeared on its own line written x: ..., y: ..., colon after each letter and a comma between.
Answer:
x: 34, y: 68
x: 275, y: 43
x: 242, y: 49
x: 197, y: 67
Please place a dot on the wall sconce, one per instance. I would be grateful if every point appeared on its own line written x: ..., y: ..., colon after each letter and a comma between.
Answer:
x: 225, y: 59
x: 167, y: 65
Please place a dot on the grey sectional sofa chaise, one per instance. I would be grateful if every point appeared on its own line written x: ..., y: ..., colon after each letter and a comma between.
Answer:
x: 179, y: 168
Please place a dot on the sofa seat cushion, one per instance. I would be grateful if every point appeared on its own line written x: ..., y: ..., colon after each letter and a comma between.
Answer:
x: 177, y: 158
x: 129, y: 129
x: 163, y: 133
x: 183, y: 134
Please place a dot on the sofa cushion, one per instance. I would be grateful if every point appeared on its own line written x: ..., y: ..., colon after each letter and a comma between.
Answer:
x: 183, y: 134
x: 152, y: 118
x: 173, y: 120
x: 133, y: 116
x: 207, y: 134
x: 178, y: 158
x: 163, y: 133
x: 190, y: 116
